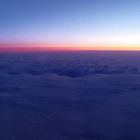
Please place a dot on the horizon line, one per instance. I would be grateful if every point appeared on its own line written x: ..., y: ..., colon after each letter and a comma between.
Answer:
x: 18, y: 46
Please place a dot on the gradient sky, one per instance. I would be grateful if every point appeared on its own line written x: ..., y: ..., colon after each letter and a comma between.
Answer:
x: 70, y: 21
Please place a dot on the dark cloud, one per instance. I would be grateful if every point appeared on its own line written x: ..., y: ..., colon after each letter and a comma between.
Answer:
x: 69, y: 96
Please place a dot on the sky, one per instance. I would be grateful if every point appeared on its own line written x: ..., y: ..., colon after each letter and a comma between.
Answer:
x: 70, y: 21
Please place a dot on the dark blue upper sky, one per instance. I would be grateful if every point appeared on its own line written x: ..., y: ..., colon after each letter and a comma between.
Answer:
x: 70, y: 21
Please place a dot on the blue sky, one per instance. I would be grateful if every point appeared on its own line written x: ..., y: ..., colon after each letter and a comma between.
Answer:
x: 70, y: 21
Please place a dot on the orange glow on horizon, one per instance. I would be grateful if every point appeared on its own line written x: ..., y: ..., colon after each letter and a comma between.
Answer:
x: 67, y: 47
